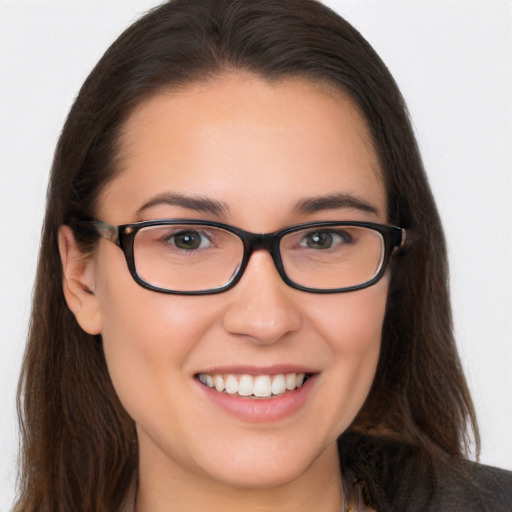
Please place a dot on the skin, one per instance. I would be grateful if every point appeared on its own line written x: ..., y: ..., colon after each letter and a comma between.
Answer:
x: 258, y: 147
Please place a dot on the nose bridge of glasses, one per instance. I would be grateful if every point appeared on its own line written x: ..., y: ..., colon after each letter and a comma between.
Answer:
x: 262, y: 242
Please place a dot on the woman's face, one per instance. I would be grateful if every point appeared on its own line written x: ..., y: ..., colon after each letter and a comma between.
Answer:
x: 262, y: 151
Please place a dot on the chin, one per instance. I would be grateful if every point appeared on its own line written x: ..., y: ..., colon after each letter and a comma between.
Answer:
x: 275, y: 465
x: 261, y: 477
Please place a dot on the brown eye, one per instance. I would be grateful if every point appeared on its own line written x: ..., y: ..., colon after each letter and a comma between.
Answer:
x: 189, y: 240
x: 325, y: 239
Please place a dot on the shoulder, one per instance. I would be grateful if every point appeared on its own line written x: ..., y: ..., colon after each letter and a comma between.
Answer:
x: 468, y: 486
x: 401, y: 477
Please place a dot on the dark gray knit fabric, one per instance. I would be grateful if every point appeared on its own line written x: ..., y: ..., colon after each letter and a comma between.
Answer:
x: 404, y: 478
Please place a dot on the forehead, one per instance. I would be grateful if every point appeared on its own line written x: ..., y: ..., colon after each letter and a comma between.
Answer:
x: 247, y: 142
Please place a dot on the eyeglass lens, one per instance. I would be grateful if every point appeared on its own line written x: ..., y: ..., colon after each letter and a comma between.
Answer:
x: 194, y: 257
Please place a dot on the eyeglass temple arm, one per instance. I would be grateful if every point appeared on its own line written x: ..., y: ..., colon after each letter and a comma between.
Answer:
x: 403, y: 240
x: 108, y: 231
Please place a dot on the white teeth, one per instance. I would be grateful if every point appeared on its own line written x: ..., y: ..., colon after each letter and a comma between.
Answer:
x: 218, y: 382
x: 279, y: 385
x: 261, y: 386
x: 207, y: 380
x: 231, y: 385
x: 246, y: 385
x: 291, y: 381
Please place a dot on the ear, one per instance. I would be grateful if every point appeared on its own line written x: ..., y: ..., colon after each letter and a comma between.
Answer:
x: 79, y: 282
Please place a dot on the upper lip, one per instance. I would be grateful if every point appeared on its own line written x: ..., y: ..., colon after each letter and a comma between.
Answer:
x: 244, y: 369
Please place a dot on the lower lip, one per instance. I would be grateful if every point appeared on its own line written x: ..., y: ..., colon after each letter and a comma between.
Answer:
x: 261, y: 410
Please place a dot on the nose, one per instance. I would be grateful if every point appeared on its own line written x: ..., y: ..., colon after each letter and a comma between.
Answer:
x: 262, y: 307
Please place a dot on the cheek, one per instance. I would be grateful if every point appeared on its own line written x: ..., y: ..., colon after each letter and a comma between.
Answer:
x: 352, y: 325
x: 352, y: 322
x: 147, y: 336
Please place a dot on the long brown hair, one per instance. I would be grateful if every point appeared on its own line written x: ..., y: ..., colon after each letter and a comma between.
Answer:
x: 79, y: 445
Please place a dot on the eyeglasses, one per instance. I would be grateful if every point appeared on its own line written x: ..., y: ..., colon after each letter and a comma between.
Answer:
x: 192, y: 257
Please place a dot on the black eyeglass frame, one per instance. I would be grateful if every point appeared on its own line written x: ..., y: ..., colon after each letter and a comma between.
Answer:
x: 124, y: 235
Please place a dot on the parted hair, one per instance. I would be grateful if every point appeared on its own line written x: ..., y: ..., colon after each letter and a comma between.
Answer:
x: 79, y: 447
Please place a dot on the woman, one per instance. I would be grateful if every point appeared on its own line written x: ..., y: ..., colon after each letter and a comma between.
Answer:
x: 201, y: 364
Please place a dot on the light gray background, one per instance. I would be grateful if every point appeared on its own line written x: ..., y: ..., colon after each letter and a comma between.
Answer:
x: 453, y: 62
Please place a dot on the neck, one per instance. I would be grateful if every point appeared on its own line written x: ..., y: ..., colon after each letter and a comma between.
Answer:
x: 318, y: 488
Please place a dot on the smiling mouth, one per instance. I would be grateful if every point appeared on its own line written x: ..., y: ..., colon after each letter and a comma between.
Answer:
x: 254, y: 386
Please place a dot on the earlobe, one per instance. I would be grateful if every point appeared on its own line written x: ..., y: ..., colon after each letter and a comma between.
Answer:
x: 79, y: 282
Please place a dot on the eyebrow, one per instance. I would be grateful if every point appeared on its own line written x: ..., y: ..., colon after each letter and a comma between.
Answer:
x: 192, y: 202
x: 219, y: 208
x: 334, y: 201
